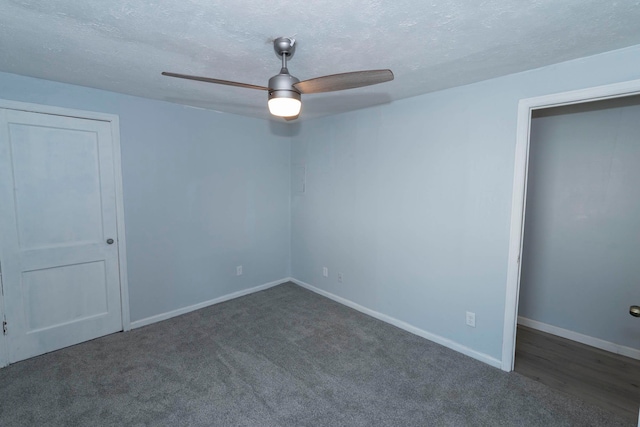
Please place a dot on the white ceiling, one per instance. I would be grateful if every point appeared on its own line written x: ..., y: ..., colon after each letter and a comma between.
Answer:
x: 124, y: 45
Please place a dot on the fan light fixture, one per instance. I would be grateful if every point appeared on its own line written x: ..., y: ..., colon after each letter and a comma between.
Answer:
x: 284, y: 103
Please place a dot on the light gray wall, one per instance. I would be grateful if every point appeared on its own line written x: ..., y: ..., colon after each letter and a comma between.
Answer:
x: 411, y: 200
x: 203, y: 192
x: 580, y: 266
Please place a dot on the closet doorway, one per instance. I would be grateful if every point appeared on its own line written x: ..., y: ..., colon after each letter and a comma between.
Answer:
x: 576, y: 215
x: 580, y: 264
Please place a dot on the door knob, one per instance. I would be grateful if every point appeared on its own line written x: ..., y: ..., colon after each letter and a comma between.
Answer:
x: 109, y: 241
x: 634, y: 310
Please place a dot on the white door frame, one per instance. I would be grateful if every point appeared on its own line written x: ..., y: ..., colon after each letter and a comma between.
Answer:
x: 122, y: 253
x: 518, y: 201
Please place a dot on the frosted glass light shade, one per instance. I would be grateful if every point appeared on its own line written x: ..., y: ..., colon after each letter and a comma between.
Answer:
x: 284, y: 107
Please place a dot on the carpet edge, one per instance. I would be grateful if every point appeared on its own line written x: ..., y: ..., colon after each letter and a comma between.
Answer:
x: 482, y: 357
x: 173, y: 313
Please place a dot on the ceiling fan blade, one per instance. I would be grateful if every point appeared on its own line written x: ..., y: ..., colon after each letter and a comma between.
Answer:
x: 344, y: 81
x: 210, y: 80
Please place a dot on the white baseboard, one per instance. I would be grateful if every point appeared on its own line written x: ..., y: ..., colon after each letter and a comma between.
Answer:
x: 383, y: 317
x: 403, y: 325
x: 584, y: 339
x: 168, y: 315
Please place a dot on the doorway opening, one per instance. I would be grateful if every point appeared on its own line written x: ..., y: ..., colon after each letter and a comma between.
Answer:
x: 527, y: 109
x: 579, y: 265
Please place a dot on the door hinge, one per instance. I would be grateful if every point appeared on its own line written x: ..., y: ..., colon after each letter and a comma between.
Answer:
x: 4, y: 327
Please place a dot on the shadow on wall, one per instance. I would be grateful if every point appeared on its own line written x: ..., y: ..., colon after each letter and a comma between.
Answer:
x: 627, y: 101
x: 277, y: 127
x: 285, y: 128
x: 336, y: 103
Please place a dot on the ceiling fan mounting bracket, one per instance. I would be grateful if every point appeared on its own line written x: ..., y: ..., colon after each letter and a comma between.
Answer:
x: 284, y: 46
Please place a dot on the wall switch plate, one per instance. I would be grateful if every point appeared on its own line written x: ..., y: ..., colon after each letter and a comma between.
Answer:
x: 471, y: 319
x: 239, y: 270
x: 339, y: 277
x: 325, y: 271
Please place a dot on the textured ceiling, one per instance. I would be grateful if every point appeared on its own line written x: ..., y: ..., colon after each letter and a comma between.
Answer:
x: 123, y: 45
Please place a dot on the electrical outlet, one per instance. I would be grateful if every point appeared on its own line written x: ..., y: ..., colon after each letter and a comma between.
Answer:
x: 339, y: 277
x: 239, y: 270
x: 471, y: 319
x: 325, y: 271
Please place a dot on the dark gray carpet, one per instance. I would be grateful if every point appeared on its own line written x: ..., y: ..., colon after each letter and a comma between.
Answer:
x: 282, y: 357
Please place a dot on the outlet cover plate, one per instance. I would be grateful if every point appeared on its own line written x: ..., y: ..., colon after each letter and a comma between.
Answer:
x: 471, y: 319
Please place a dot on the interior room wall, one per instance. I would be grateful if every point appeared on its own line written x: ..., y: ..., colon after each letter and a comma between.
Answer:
x: 580, y: 258
x: 411, y: 200
x: 203, y: 193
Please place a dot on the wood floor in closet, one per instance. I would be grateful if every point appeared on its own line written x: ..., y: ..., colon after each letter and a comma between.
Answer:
x: 606, y: 379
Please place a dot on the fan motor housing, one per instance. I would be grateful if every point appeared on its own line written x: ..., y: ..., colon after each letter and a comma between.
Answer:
x: 281, y: 86
x: 283, y: 81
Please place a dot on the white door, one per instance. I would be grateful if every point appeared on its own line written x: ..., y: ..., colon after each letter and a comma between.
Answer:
x: 58, y: 231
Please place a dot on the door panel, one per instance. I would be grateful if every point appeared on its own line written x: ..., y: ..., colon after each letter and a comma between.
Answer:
x: 83, y: 285
x: 50, y: 187
x: 60, y: 276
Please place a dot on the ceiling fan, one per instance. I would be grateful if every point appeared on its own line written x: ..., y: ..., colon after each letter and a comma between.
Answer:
x: 285, y: 90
